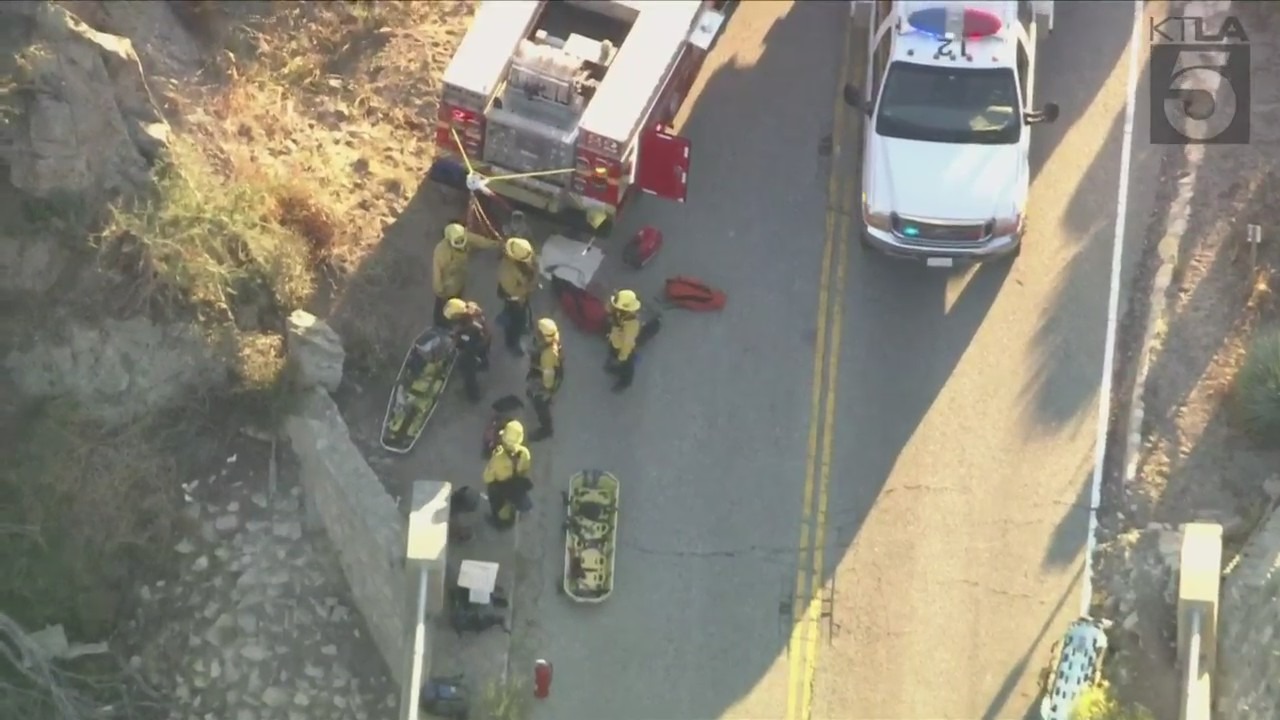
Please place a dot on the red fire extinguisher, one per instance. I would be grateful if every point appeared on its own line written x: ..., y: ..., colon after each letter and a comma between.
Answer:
x: 541, y: 678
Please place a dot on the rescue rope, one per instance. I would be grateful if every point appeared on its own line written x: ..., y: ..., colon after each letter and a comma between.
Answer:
x: 462, y: 150
x: 474, y: 208
x: 536, y: 173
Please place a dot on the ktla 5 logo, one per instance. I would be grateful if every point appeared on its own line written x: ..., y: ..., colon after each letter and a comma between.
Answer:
x: 1199, y: 82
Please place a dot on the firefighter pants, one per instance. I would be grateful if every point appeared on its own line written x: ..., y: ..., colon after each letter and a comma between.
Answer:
x: 516, y: 319
x: 542, y: 411
x: 500, y: 506
x: 507, y: 497
x: 622, y: 370
x: 469, y: 366
x: 438, y: 313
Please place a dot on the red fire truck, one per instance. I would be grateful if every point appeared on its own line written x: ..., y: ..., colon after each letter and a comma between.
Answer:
x: 565, y: 106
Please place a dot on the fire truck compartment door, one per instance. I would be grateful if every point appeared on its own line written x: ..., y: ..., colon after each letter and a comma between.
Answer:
x: 663, y: 165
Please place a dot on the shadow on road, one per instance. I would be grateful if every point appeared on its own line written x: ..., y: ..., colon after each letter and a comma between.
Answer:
x: 1063, y: 384
x: 897, y: 321
x: 997, y: 709
x: 1072, y: 531
x: 1069, y: 343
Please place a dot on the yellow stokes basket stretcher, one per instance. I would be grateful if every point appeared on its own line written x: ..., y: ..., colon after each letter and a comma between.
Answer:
x: 423, y: 376
x: 590, y: 536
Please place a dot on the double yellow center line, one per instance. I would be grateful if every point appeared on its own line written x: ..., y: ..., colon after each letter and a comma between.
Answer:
x: 807, y: 605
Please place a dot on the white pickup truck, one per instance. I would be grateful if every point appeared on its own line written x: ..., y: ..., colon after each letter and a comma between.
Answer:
x: 948, y: 99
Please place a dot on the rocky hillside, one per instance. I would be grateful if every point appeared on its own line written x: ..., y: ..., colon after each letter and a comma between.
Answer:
x: 175, y: 179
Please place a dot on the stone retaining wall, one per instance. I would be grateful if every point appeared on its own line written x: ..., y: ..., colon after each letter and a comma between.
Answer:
x: 363, y: 522
x: 1248, y: 620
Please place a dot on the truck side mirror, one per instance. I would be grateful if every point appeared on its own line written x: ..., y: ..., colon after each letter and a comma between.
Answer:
x: 852, y: 96
x: 1046, y: 115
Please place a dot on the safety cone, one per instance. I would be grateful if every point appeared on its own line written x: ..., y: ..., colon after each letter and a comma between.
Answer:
x: 541, y: 678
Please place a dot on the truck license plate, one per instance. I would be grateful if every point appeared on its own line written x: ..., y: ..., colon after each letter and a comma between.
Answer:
x: 939, y: 262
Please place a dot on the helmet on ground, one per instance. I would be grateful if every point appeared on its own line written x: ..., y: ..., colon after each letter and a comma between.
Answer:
x: 596, y: 218
x: 456, y: 235
x: 519, y: 249
x: 455, y: 308
x: 547, y: 328
x: 512, y: 433
x: 626, y: 301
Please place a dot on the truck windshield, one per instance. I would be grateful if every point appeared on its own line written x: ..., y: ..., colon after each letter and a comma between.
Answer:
x: 950, y: 105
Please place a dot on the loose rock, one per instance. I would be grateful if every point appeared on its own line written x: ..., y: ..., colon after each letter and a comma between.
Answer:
x: 315, y: 351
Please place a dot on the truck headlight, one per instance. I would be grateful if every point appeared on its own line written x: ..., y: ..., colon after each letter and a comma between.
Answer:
x: 1001, y: 227
x: 877, y: 220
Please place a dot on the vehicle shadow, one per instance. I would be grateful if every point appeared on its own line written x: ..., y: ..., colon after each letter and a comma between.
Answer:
x: 885, y: 297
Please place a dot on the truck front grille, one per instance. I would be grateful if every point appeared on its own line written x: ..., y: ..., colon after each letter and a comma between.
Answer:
x: 928, y: 233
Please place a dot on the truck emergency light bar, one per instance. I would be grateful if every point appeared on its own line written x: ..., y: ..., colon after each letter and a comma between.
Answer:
x: 950, y: 22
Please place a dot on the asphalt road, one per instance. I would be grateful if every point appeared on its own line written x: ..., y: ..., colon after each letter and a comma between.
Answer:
x: 962, y: 421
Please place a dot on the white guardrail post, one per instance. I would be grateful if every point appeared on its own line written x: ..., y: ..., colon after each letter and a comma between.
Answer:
x: 1199, y: 584
x: 424, y: 571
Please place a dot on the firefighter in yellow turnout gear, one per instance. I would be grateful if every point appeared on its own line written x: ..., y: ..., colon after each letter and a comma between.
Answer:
x: 624, y: 335
x: 449, y: 265
x: 506, y: 476
x: 470, y: 333
x: 517, y: 279
x: 546, y: 372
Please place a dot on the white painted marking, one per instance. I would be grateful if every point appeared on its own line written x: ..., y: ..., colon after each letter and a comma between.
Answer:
x: 1113, y: 312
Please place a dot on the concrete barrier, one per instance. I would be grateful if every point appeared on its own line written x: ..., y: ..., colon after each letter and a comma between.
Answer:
x: 362, y: 521
x: 1199, y: 580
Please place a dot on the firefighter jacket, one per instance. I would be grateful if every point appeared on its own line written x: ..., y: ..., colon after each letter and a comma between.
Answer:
x: 516, y: 280
x: 471, y: 334
x: 449, y: 265
x: 448, y: 270
x: 546, y: 371
x: 507, y: 463
x: 624, y: 330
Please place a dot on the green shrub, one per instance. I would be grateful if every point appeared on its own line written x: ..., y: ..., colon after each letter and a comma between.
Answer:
x: 1098, y: 704
x: 1257, y: 387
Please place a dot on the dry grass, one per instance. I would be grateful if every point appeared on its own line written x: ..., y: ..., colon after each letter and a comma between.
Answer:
x: 341, y: 98
x: 82, y: 504
x: 217, y: 242
x: 265, y: 391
